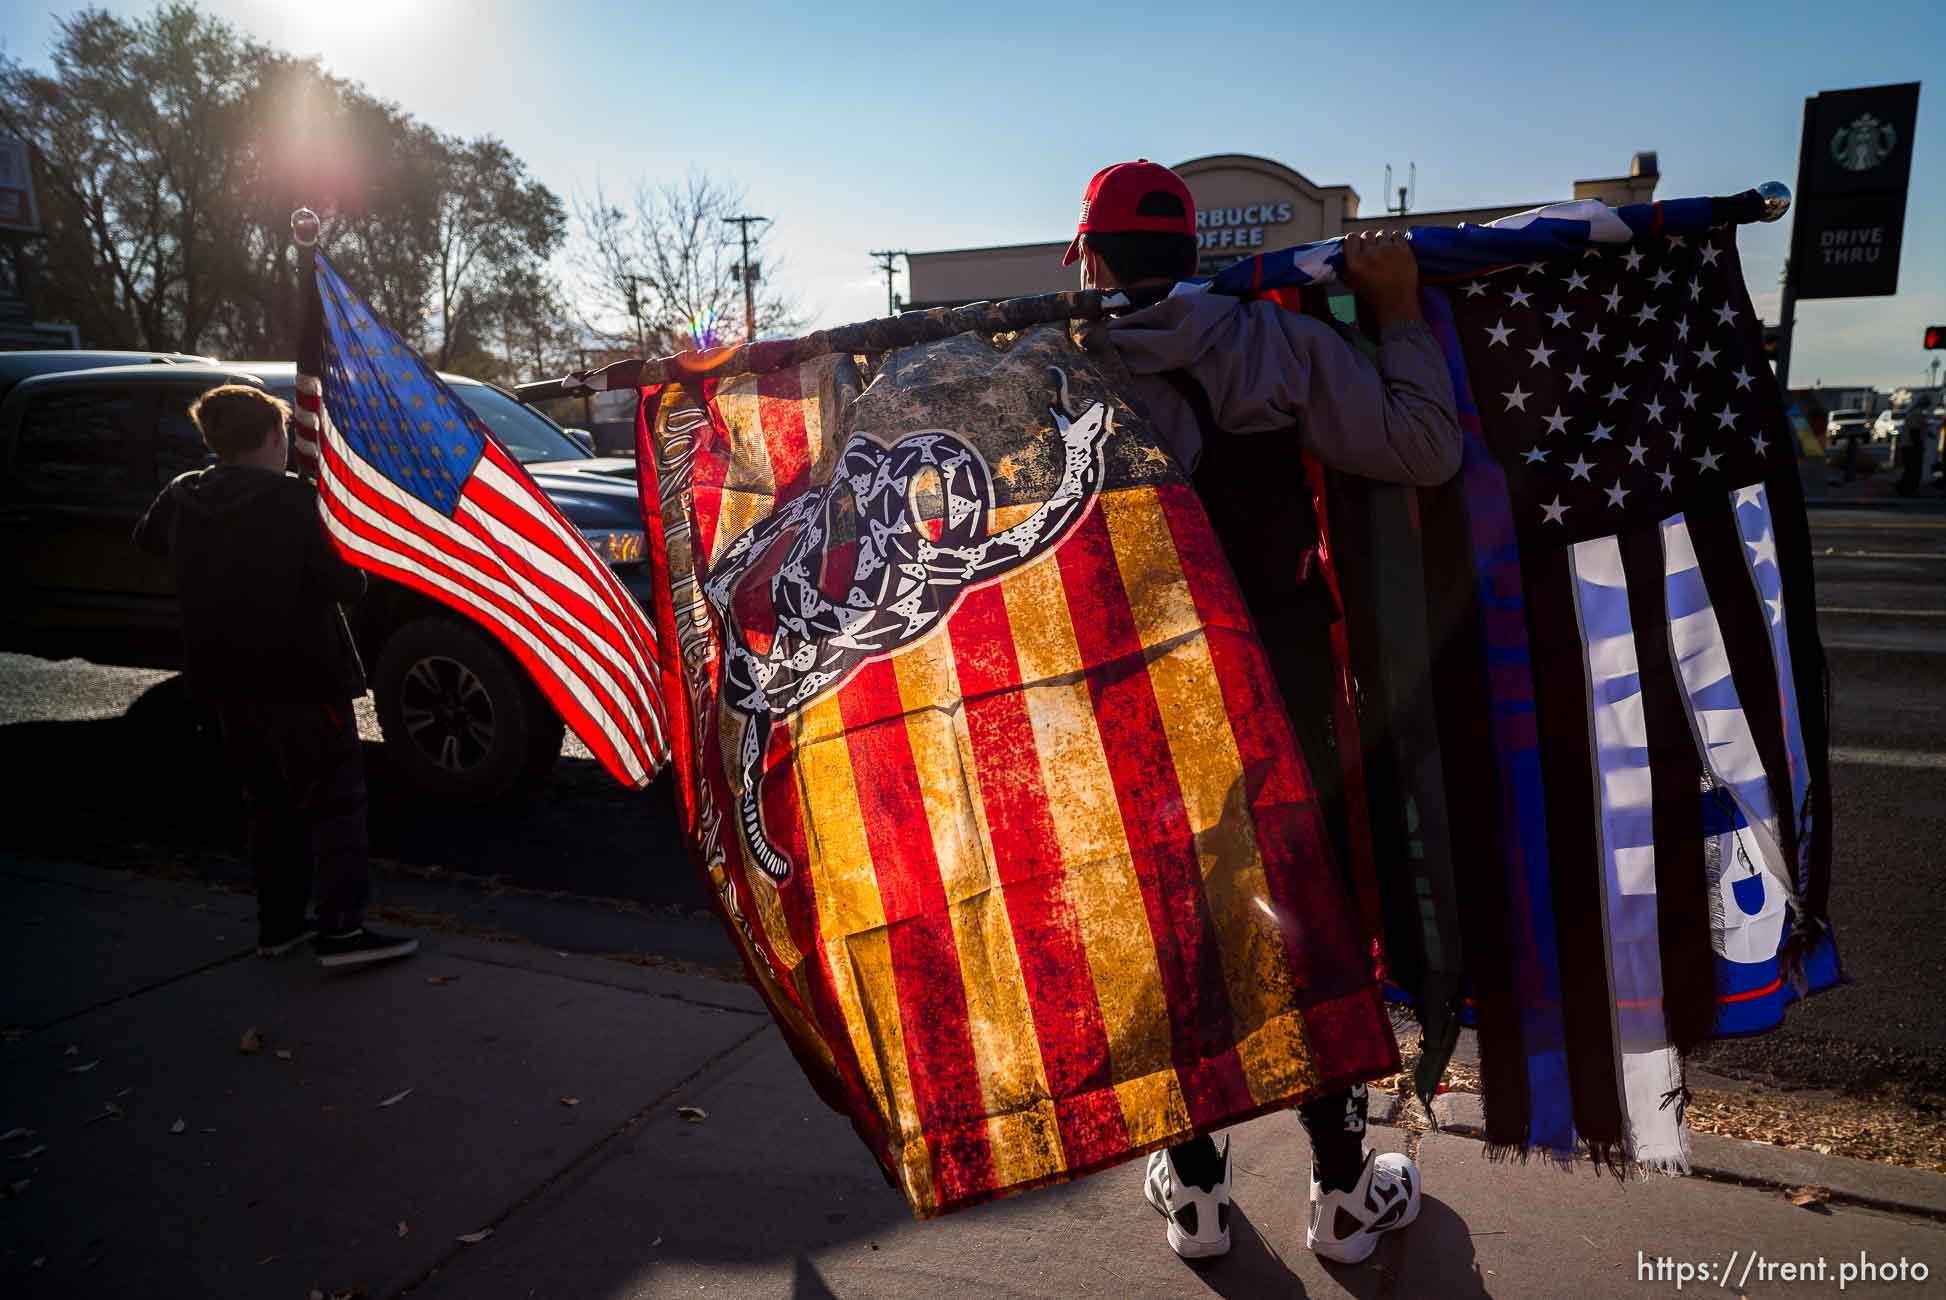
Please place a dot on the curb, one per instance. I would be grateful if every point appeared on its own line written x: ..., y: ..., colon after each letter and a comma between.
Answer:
x: 1914, y: 505
x: 1865, y: 1183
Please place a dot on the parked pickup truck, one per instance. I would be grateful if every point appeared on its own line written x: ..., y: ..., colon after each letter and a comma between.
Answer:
x: 82, y: 453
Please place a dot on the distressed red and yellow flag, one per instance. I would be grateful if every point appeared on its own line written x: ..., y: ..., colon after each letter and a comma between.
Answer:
x: 987, y: 767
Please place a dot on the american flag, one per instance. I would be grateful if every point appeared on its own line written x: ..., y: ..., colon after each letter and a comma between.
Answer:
x: 1620, y: 637
x: 412, y: 486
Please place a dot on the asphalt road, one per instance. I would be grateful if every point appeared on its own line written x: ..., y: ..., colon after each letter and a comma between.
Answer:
x: 1881, y: 583
x: 100, y: 765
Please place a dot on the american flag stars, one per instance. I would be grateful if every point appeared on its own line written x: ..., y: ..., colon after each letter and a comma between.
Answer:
x: 1576, y: 384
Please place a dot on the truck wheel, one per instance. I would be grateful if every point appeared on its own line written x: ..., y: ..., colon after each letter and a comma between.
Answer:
x: 460, y: 718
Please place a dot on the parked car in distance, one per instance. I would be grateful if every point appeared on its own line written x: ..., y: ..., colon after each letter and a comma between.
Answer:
x: 82, y: 453
x: 16, y: 366
x: 1849, y: 423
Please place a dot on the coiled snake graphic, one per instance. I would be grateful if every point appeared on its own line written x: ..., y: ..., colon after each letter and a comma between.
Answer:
x: 902, y: 583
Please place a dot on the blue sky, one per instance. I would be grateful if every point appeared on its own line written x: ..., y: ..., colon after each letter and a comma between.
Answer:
x: 921, y: 126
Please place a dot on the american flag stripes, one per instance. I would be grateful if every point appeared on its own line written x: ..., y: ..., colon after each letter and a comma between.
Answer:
x: 1057, y: 891
x: 413, y: 487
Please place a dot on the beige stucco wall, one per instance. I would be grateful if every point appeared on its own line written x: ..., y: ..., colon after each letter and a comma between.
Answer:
x: 970, y: 274
x: 1245, y: 205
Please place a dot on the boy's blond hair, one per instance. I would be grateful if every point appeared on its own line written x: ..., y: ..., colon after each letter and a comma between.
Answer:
x: 237, y: 418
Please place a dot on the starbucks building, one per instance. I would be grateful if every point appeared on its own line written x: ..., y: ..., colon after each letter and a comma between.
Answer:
x: 1244, y: 205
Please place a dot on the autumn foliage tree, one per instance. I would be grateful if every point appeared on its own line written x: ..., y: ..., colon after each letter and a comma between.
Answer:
x: 170, y: 150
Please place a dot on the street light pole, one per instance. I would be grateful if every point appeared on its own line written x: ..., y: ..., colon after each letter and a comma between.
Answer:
x: 749, y: 276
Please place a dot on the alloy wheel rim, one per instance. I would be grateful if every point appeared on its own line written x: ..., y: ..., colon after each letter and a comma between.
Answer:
x: 448, y: 713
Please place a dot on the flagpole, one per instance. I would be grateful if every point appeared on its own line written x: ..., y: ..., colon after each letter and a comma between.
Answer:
x: 878, y: 335
x: 305, y: 228
x: 1764, y: 203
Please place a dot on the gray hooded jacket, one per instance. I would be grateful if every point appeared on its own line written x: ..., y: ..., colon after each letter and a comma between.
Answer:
x: 1267, y: 369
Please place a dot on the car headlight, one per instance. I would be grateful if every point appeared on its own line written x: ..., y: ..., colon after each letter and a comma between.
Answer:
x: 618, y: 545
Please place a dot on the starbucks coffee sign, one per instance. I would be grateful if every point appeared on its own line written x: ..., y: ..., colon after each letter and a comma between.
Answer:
x: 1864, y: 143
x: 1239, y: 227
x: 1851, y: 190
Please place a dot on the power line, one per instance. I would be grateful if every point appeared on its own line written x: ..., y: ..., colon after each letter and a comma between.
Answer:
x: 885, y: 258
x: 748, y: 274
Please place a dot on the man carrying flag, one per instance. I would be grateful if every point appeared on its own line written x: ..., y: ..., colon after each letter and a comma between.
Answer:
x: 1238, y: 390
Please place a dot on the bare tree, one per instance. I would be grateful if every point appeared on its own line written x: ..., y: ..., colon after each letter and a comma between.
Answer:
x: 663, y: 273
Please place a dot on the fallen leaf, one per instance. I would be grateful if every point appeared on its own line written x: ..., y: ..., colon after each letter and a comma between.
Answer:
x: 694, y: 1114
x: 441, y: 979
x: 570, y: 1101
x: 71, y: 1050
x: 283, y: 1054
x: 655, y: 1243
x: 13, y: 1133
x: 18, y: 1186
x: 475, y: 1238
x: 40, y: 1262
x: 111, y: 1111
x: 251, y: 1043
x: 31, y: 1152
x: 266, y: 1259
x: 395, y: 1099
x: 206, y: 1130
x: 178, y: 1127
x: 403, y: 1227
x: 1812, y: 1195
x: 124, y: 1092
x: 83, y: 1069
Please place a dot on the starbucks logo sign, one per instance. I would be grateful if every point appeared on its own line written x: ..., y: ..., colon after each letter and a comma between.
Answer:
x: 1864, y: 143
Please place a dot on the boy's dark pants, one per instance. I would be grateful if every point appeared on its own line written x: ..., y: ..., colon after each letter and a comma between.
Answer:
x: 303, y: 778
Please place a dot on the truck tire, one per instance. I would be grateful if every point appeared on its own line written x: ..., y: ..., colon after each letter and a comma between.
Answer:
x: 461, y: 721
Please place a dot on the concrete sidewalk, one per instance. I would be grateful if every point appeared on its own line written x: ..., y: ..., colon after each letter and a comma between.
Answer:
x: 394, y: 1116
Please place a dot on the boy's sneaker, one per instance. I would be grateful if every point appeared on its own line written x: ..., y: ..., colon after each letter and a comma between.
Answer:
x: 1199, y: 1218
x: 361, y: 947
x: 1346, y: 1226
x: 276, y: 940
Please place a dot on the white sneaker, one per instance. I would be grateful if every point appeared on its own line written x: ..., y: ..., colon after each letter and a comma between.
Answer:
x: 1199, y: 1221
x: 1346, y: 1226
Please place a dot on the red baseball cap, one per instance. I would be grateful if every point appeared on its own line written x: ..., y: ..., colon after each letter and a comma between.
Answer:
x: 1114, y: 196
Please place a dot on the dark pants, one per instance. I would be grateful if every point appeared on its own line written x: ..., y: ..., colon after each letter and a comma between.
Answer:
x: 303, y: 778
x: 1912, y: 463
x: 1335, y: 1123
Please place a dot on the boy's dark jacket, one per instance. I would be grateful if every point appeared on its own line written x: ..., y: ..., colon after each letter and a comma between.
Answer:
x: 259, y: 584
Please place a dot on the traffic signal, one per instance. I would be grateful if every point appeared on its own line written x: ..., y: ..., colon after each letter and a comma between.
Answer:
x: 1935, y: 337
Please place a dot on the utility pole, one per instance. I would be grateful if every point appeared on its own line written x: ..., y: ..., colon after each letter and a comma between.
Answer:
x: 635, y: 310
x: 885, y: 258
x: 748, y: 274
